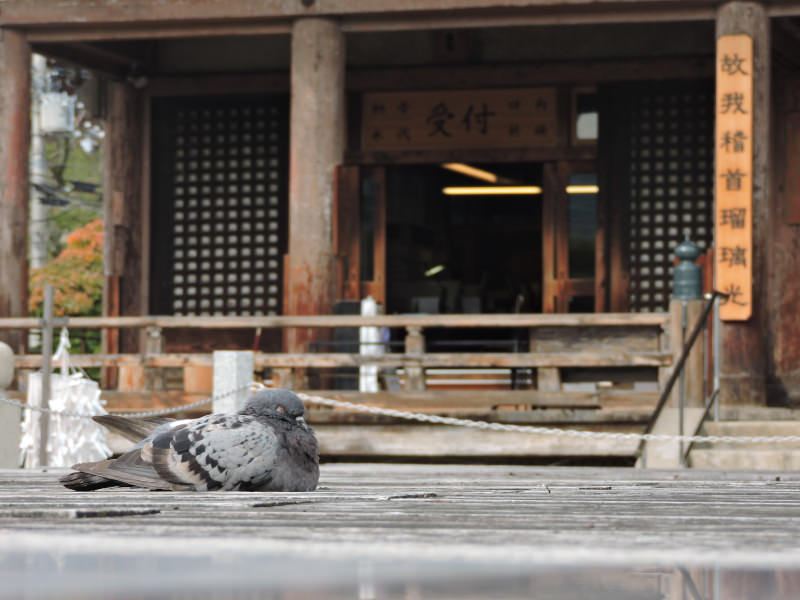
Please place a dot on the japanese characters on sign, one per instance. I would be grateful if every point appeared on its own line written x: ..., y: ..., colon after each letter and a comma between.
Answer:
x: 734, y: 177
x: 511, y: 118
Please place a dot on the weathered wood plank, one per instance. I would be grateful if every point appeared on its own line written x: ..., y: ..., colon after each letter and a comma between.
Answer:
x: 435, y: 400
x: 333, y: 360
x: 417, y: 320
x: 444, y: 12
x: 436, y: 440
x: 15, y: 58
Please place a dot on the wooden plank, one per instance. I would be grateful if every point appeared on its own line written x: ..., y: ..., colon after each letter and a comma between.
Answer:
x: 333, y: 360
x: 791, y: 182
x: 15, y: 57
x: 432, y: 401
x: 347, y: 231
x: 561, y: 339
x: 461, y: 76
x: 377, y: 287
x: 469, y: 155
x: 550, y: 417
x: 417, y: 320
x: 444, y: 12
x: 432, y: 440
x: 548, y: 379
x: 549, y: 202
x: 457, y: 77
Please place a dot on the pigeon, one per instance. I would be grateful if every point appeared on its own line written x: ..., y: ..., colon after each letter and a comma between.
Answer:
x: 266, y: 446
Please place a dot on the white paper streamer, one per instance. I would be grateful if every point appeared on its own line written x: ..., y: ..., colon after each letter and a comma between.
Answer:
x: 71, y: 439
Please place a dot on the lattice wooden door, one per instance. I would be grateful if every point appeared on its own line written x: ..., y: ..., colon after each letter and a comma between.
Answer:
x: 219, y: 219
x: 661, y: 160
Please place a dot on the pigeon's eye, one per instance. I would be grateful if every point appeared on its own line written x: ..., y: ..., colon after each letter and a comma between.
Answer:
x: 281, y: 409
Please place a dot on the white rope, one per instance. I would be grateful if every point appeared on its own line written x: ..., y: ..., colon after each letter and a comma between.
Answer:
x: 532, y: 429
x: 451, y: 421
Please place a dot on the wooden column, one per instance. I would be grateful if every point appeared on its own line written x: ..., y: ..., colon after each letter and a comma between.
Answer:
x: 123, y: 218
x: 317, y: 143
x: 743, y: 352
x: 15, y: 125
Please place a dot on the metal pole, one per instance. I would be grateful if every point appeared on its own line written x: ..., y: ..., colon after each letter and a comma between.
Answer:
x: 717, y: 359
x: 47, y: 357
x: 682, y: 391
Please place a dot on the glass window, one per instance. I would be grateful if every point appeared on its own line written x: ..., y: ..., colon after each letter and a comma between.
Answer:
x: 582, y: 223
x: 586, y: 117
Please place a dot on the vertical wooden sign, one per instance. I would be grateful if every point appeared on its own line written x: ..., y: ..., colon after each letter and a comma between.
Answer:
x: 734, y: 176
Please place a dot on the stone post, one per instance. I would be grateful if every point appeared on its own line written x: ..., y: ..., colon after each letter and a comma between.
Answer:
x: 317, y: 143
x: 233, y: 372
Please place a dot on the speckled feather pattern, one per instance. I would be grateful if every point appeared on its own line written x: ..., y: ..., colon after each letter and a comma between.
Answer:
x: 257, y: 449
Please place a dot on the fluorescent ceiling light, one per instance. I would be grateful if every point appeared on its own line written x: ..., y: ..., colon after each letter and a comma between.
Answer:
x: 493, y: 190
x: 434, y: 270
x: 582, y: 189
x: 471, y: 171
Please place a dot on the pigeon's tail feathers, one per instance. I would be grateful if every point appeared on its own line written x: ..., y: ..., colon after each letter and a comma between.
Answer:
x: 134, y: 430
x: 129, y: 469
x: 87, y: 482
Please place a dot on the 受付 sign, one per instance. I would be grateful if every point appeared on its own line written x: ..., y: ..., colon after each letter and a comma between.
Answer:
x: 512, y: 118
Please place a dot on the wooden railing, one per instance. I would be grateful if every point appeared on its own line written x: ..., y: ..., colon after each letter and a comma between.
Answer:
x: 555, y: 342
x: 626, y: 356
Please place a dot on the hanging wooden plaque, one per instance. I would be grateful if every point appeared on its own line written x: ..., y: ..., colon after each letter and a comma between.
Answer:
x: 509, y: 118
x: 734, y: 176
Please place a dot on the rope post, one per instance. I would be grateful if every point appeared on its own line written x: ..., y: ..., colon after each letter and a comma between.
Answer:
x: 154, y: 344
x: 233, y: 373
x: 10, y: 415
x: 415, y: 346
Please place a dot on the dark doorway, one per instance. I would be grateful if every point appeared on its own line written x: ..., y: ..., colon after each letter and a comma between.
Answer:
x: 458, y: 242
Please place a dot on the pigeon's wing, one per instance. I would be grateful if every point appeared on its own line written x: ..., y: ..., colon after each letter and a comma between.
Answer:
x: 127, y: 470
x: 134, y: 430
x: 230, y: 452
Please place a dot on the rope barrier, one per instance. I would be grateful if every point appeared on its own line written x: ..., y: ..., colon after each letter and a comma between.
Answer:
x: 451, y: 421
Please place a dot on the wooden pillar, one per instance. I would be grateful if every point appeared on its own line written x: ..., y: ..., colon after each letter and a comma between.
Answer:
x: 123, y: 219
x: 744, y: 347
x: 317, y: 144
x: 15, y: 125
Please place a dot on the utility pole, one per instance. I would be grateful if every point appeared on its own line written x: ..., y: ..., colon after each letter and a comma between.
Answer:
x: 37, y: 227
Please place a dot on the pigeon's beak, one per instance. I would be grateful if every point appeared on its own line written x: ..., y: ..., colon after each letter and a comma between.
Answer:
x: 302, y: 422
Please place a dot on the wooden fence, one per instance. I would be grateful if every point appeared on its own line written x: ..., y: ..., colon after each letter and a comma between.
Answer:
x: 596, y: 371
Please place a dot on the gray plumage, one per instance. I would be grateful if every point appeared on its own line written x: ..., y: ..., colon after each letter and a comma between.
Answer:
x: 266, y: 446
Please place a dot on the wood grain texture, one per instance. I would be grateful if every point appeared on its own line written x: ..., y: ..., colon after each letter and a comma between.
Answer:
x: 15, y: 58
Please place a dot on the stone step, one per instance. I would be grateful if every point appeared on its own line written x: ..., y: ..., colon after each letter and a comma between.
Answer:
x: 752, y: 429
x: 745, y: 459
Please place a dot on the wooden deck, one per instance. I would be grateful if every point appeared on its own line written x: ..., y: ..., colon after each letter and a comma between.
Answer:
x: 409, y: 531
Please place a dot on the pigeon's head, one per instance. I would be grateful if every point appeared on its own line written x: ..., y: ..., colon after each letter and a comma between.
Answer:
x: 270, y: 402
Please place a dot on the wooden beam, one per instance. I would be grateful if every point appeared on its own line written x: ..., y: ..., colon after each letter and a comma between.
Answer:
x: 317, y: 143
x: 395, y: 360
x: 744, y: 349
x: 15, y: 66
x: 456, y: 76
x: 169, y: 19
x: 585, y: 72
x: 433, y: 440
x: 124, y: 217
x: 419, y: 320
x: 105, y: 62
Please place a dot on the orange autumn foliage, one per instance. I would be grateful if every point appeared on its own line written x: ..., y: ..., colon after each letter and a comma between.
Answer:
x: 76, y: 274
